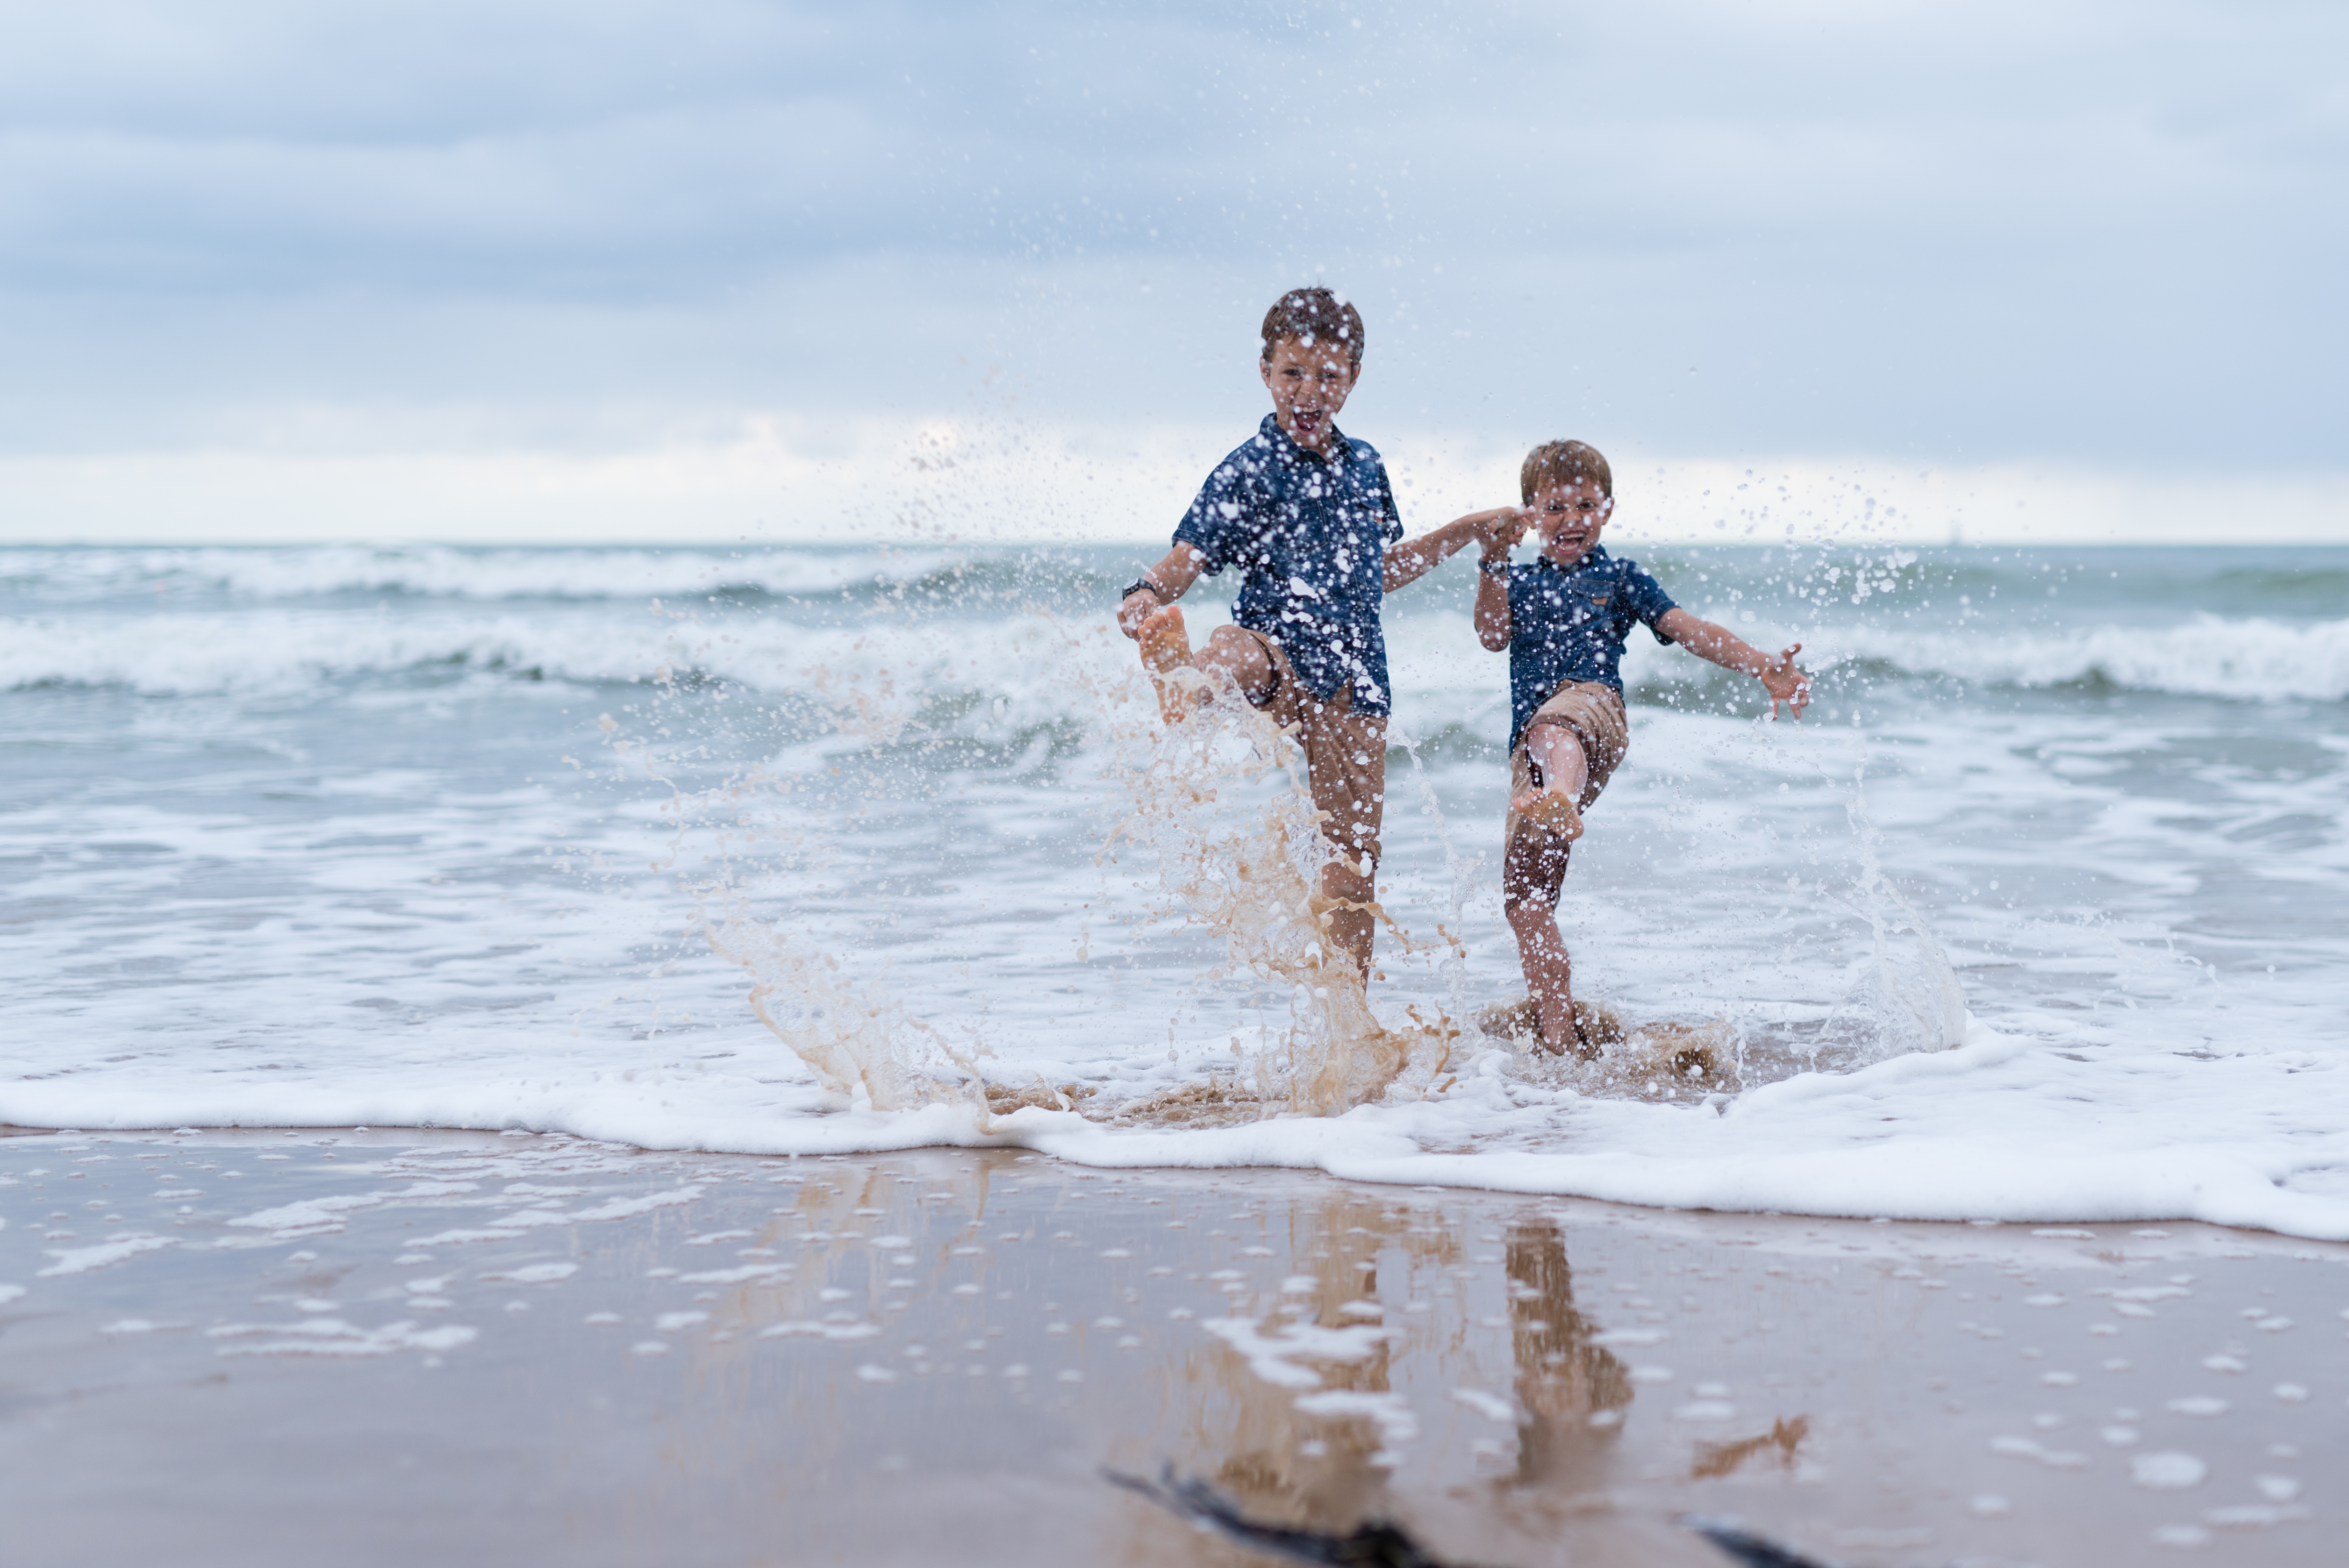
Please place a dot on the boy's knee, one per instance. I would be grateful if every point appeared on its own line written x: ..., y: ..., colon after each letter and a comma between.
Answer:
x: 1239, y: 655
x: 1226, y: 640
x: 1527, y: 906
x: 1541, y: 721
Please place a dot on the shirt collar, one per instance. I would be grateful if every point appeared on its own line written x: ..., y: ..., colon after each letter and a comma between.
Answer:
x: 1280, y: 440
x: 1594, y: 556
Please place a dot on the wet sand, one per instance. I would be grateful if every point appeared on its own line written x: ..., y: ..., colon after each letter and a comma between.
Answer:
x: 364, y: 1347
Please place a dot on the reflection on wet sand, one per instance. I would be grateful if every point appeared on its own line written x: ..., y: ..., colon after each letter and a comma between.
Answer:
x: 934, y: 1357
x: 1288, y: 1465
x: 1309, y: 1394
x: 1321, y: 1456
x: 1717, y: 1459
x: 1571, y: 1394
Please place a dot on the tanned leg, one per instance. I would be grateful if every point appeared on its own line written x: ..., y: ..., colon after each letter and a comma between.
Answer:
x: 1242, y: 656
x: 1346, y: 763
x: 1352, y: 931
x: 1549, y: 975
x: 1531, y: 871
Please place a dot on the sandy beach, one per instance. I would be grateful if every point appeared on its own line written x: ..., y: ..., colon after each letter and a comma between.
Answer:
x: 382, y: 1346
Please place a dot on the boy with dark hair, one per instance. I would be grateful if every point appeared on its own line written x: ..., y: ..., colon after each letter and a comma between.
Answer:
x: 1563, y: 618
x: 1306, y: 515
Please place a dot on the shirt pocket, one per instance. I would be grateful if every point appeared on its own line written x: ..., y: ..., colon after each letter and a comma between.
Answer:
x: 1587, y: 603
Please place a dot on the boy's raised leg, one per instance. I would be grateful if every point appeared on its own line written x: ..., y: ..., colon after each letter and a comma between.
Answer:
x: 1553, y: 806
x: 1166, y: 648
x: 1230, y: 651
x: 1240, y: 654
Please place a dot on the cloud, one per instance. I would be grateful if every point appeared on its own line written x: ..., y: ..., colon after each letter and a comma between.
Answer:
x: 2085, y: 233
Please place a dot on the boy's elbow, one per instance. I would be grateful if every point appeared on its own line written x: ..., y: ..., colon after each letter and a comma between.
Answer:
x: 1493, y: 643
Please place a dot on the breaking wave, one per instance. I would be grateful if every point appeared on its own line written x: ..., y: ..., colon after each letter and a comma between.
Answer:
x: 443, y: 572
x: 2250, y: 659
x: 186, y: 652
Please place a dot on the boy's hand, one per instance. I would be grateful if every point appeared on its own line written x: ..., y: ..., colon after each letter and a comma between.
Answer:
x: 1502, y: 528
x: 1786, y: 683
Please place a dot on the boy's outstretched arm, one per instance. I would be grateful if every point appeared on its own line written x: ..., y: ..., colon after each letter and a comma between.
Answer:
x: 1413, y: 559
x: 1168, y: 581
x: 1724, y: 647
x: 1494, y: 627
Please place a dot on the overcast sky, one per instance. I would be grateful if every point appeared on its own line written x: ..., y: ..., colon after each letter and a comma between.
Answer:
x: 247, y: 240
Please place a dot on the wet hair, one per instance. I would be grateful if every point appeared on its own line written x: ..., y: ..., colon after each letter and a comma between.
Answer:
x: 1563, y: 463
x: 1315, y: 315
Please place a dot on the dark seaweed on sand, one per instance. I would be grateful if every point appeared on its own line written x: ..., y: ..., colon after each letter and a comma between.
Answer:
x: 1753, y: 1551
x: 1376, y: 1544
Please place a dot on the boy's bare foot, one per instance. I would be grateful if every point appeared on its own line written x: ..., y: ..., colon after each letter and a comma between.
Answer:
x: 1165, y: 648
x: 1578, y: 1040
x: 1552, y: 812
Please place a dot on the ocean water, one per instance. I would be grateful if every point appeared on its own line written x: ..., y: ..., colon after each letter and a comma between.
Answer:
x: 2039, y: 915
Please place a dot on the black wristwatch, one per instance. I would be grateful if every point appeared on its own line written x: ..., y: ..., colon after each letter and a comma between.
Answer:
x: 1143, y: 584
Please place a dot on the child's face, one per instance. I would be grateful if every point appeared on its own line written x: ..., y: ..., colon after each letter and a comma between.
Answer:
x: 1308, y: 385
x: 1568, y: 518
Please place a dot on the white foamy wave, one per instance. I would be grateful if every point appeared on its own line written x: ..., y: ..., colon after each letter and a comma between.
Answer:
x: 181, y: 655
x: 1989, y: 1131
x: 886, y: 676
x: 1434, y: 656
x: 439, y: 571
x: 164, y: 653
x: 2252, y: 659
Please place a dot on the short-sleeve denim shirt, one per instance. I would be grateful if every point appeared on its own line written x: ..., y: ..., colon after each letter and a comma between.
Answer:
x: 1568, y: 622
x: 1310, y: 536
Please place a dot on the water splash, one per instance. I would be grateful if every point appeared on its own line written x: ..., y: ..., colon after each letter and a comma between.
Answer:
x: 1907, y: 998
x: 1240, y: 860
x: 858, y: 1041
x: 1244, y: 863
x: 1467, y: 873
x: 1903, y: 997
x: 1661, y: 1059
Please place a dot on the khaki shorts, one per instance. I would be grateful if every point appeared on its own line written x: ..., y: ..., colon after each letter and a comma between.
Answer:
x: 1532, y: 863
x: 1345, y: 754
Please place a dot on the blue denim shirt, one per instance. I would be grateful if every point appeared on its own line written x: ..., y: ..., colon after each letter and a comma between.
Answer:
x: 1568, y: 622
x: 1310, y: 536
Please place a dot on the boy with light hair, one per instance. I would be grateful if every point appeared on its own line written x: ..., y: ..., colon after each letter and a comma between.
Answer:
x: 1563, y: 618
x: 1306, y: 515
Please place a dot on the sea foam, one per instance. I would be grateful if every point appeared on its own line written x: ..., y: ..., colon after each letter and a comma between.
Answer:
x: 377, y: 860
x: 170, y: 651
